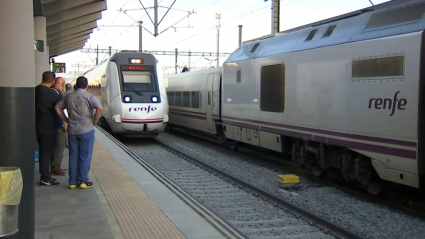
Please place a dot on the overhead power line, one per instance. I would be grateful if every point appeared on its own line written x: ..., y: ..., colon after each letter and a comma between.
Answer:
x: 164, y: 53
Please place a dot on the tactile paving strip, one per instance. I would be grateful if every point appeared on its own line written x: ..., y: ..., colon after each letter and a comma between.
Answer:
x: 136, y: 214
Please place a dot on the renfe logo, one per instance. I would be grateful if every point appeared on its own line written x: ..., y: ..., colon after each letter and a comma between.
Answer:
x: 390, y: 104
x: 147, y: 109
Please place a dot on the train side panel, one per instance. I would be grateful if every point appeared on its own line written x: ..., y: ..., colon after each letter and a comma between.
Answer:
x: 322, y: 101
x: 194, y: 99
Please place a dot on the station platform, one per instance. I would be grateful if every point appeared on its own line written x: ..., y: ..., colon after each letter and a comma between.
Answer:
x: 126, y: 201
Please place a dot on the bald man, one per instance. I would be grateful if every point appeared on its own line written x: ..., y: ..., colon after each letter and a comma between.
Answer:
x: 56, y: 162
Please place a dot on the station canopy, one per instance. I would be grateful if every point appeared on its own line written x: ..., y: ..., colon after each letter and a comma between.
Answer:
x: 69, y: 23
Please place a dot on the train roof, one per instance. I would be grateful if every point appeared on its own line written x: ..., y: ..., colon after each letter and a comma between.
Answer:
x: 386, y: 19
x: 191, y: 73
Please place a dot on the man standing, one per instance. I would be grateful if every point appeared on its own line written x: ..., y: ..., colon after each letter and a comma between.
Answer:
x: 60, y: 146
x: 68, y: 88
x: 80, y: 106
x: 46, y: 121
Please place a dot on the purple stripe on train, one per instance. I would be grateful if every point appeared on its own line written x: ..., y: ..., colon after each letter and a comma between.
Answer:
x: 352, y: 136
x: 331, y: 141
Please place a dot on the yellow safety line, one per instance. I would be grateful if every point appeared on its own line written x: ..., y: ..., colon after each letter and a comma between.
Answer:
x: 136, y: 214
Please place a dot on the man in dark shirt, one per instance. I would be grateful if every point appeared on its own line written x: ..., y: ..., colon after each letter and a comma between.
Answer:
x: 46, y: 124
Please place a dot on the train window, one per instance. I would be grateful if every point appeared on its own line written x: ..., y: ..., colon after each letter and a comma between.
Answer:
x: 255, y: 47
x: 195, y: 99
x: 238, y: 76
x: 273, y: 88
x: 136, y: 77
x: 209, y: 97
x: 178, y: 98
x: 380, y: 67
x: 311, y: 35
x: 138, y: 80
x: 329, y: 31
x: 186, y: 99
x: 170, y: 98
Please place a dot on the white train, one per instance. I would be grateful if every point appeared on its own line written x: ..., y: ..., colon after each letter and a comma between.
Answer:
x: 132, y: 94
x: 345, y: 95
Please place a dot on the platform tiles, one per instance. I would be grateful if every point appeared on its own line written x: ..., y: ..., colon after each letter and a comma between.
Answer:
x: 125, y: 202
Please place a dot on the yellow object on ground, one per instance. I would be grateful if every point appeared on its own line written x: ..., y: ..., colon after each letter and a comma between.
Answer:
x: 288, y: 178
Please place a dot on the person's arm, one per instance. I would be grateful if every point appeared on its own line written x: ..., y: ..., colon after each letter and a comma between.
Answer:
x: 95, y: 104
x: 98, y: 114
x: 60, y: 91
x: 61, y: 115
x: 60, y: 106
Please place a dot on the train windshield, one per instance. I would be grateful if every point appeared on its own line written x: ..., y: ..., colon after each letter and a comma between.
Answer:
x: 138, y: 80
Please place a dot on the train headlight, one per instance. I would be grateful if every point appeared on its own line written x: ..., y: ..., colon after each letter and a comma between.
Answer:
x: 127, y: 99
x: 154, y: 99
x: 136, y: 61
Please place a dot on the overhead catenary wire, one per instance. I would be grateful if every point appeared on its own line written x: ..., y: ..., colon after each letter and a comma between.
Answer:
x: 212, y: 28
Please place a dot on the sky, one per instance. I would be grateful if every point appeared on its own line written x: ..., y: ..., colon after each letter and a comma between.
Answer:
x: 197, y: 31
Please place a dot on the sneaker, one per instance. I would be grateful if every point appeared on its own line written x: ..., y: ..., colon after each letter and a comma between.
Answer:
x: 59, y: 172
x: 72, y: 186
x: 84, y: 185
x: 48, y: 182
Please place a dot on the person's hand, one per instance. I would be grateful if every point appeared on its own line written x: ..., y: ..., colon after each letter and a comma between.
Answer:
x: 58, y: 87
x: 94, y: 122
x: 65, y: 128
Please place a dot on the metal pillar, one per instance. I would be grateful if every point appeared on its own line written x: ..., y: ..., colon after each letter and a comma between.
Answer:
x: 189, y: 59
x: 275, y: 16
x: 240, y: 35
x: 97, y: 55
x: 176, y: 60
x: 218, y: 17
x: 110, y: 50
x: 155, y: 7
x: 140, y: 36
x: 17, y: 109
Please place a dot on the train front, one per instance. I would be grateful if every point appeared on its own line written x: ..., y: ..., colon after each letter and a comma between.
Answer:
x: 144, y: 104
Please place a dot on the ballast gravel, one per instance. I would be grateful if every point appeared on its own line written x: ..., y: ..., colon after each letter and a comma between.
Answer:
x: 252, y: 216
x: 368, y: 219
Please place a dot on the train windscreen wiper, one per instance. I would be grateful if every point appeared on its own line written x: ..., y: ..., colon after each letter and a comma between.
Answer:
x: 134, y: 90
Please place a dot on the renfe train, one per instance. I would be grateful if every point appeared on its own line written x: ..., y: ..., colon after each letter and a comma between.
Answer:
x: 344, y: 95
x: 133, y: 94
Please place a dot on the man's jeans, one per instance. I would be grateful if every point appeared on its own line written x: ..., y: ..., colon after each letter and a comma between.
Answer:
x: 80, y: 154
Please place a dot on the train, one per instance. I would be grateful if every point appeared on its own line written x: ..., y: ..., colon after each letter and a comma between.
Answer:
x: 133, y: 94
x: 344, y: 96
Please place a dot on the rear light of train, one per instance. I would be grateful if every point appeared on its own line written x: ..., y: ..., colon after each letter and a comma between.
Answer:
x: 127, y: 99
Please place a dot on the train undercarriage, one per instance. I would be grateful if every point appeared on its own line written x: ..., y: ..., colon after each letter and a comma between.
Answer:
x: 337, y: 163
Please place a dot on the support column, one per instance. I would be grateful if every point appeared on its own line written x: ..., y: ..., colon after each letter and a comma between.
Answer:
x: 240, y: 35
x: 140, y: 35
x: 189, y: 58
x: 176, y: 60
x: 275, y: 16
x: 41, y: 58
x: 17, y: 109
x: 97, y: 55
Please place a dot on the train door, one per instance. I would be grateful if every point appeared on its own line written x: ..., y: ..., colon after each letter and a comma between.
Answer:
x: 210, y: 85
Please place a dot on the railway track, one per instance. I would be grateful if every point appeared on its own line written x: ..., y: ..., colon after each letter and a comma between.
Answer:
x: 243, y: 202
x: 271, y: 160
x: 236, y: 208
